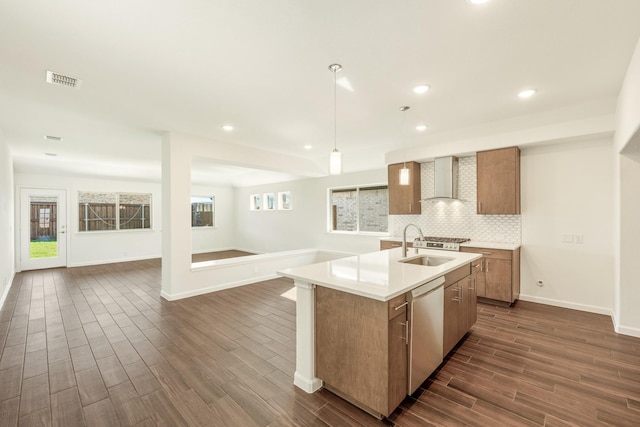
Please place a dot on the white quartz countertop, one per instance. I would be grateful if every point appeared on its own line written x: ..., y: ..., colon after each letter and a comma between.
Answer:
x: 469, y: 244
x: 490, y: 245
x: 378, y: 275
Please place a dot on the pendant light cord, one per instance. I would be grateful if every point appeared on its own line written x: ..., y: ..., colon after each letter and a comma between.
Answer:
x: 404, y: 135
x: 335, y: 110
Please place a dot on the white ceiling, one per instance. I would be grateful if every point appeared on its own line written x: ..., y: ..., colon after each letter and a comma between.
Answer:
x: 191, y: 66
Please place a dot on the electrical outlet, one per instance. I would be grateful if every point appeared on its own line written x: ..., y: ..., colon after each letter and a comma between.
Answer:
x: 567, y: 238
x: 578, y: 238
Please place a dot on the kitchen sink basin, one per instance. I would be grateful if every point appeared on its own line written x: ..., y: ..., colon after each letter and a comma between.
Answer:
x: 430, y: 261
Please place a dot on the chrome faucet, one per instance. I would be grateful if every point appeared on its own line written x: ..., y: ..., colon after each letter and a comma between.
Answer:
x: 404, y: 239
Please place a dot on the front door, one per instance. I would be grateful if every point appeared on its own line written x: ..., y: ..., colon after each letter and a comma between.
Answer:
x: 43, y: 227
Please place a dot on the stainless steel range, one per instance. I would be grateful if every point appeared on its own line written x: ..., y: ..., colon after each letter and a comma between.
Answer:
x: 444, y: 243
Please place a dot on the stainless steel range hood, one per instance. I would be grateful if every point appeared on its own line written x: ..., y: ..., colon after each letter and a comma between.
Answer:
x: 446, y: 178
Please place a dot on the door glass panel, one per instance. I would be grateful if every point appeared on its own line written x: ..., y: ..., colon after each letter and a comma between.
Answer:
x: 43, y: 242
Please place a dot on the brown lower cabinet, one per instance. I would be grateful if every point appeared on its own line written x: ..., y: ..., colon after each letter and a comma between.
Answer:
x: 460, y: 311
x: 361, y: 349
x: 390, y: 244
x: 498, y: 275
x: 361, y: 343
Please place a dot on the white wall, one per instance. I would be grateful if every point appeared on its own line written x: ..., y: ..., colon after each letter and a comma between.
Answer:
x: 306, y: 225
x: 627, y: 201
x: 628, y: 314
x: 222, y: 236
x: 89, y: 248
x: 7, y: 243
x: 567, y: 190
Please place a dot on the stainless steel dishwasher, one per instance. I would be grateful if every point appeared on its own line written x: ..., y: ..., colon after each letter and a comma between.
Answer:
x: 427, y: 328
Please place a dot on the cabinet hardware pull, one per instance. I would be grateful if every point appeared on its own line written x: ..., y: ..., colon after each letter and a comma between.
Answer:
x: 401, y: 305
x: 486, y: 253
x: 406, y: 332
x: 482, y: 266
x: 456, y: 299
x: 486, y: 269
x: 477, y: 265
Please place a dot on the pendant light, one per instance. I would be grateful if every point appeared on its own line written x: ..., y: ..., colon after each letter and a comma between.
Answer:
x: 335, y: 159
x: 405, y: 174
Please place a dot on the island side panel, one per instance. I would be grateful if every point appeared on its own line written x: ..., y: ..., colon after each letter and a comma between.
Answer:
x: 304, y: 376
x: 351, y: 347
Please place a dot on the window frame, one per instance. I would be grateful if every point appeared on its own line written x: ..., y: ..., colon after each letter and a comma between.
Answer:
x: 359, y: 187
x: 117, y: 203
x: 213, y: 213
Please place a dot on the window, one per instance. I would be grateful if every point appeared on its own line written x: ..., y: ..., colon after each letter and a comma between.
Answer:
x: 45, y: 216
x: 114, y: 211
x: 203, y: 211
x: 359, y: 209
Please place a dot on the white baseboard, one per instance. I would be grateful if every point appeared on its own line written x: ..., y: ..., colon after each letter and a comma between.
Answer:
x: 6, y: 291
x: 229, y: 285
x: 568, y: 304
x: 624, y: 330
x: 310, y: 385
x: 112, y: 261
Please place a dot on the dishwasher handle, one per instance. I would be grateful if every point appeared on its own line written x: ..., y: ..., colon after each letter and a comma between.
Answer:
x: 427, y: 287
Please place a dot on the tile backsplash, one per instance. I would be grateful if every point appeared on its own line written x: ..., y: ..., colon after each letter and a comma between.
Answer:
x: 457, y: 218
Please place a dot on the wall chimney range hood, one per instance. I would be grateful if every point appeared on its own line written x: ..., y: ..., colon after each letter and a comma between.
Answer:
x: 445, y: 178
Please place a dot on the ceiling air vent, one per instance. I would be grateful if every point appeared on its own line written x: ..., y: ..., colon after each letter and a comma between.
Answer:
x: 62, y: 80
x: 53, y: 138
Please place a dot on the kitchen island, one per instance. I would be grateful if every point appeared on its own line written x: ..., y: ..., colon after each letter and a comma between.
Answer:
x: 352, y: 321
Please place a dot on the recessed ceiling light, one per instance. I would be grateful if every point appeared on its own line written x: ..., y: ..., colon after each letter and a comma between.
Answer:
x: 477, y: 1
x: 308, y: 147
x: 228, y: 128
x: 53, y: 138
x: 421, y: 128
x: 527, y: 93
x: 50, y: 154
x: 421, y: 89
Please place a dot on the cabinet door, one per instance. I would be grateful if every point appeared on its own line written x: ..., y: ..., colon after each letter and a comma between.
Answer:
x: 398, y: 352
x: 404, y: 199
x: 477, y: 269
x: 497, y: 279
x: 470, y: 301
x: 452, y: 298
x: 498, y: 181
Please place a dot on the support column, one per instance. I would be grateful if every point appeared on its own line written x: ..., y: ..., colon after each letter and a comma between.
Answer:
x: 305, y: 376
x: 176, y: 223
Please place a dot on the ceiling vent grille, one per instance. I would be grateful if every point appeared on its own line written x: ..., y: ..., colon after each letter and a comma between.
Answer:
x: 53, y: 138
x: 62, y: 80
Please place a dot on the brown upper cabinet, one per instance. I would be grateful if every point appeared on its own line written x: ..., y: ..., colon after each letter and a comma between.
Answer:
x: 404, y: 199
x: 498, y: 181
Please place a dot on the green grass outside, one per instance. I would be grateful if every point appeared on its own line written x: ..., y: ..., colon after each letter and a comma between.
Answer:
x: 43, y: 249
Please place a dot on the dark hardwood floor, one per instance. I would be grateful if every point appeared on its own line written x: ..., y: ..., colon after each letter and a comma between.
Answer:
x: 97, y: 346
x: 211, y: 256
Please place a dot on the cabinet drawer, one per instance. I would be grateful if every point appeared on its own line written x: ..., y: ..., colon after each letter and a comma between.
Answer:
x: 397, y: 305
x: 490, y: 253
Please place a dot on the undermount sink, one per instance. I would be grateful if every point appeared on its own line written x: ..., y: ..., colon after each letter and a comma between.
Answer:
x: 430, y: 261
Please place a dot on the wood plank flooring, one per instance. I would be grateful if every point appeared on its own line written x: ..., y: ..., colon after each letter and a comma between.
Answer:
x: 211, y: 256
x: 97, y: 346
